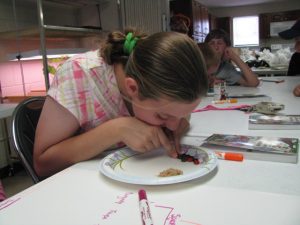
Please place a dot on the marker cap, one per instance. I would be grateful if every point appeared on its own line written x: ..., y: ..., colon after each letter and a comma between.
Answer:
x: 233, y: 156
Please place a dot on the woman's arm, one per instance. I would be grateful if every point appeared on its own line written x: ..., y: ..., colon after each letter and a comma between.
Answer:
x: 249, y: 79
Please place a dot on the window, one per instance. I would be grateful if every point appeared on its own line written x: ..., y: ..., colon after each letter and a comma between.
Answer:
x: 245, y: 31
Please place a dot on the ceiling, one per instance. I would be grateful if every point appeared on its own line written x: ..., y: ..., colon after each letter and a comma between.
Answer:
x: 73, y: 3
x: 232, y: 3
x: 77, y: 2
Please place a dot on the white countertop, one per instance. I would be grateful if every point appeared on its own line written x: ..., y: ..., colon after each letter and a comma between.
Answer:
x: 270, y: 71
x: 235, y: 193
x: 6, y: 110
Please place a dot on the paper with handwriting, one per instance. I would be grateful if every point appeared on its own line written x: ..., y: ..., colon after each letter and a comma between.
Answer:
x: 127, y: 204
x: 223, y: 207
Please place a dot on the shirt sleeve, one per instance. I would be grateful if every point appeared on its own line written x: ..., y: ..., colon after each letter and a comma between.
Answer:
x: 229, y: 73
x: 68, y: 87
x: 294, y: 68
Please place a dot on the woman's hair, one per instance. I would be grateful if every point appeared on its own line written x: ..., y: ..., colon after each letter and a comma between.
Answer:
x: 180, y: 23
x: 218, y: 34
x: 165, y: 64
x: 209, y: 54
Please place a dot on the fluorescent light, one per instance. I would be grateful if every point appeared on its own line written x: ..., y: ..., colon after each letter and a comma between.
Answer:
x: 51, y: 53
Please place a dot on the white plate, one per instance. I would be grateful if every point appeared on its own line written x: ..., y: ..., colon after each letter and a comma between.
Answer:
x: 132, y: 167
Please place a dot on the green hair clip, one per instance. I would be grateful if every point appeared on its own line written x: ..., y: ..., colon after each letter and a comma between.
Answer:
x: 130, y: 43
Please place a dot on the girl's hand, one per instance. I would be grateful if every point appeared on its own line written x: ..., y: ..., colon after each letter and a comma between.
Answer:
x: 175, y: 136
x: 229, y: 54
x: 142, y: 137
x: 218, y: 81
x: 297, y: 91
x: 181, y: 130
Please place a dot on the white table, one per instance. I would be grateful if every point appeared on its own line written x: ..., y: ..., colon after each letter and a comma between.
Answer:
x: 259, y: 175
x: 236, y: 193
x: 236, y: 122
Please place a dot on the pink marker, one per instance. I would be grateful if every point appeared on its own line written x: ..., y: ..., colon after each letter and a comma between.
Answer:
x: 145, y: 208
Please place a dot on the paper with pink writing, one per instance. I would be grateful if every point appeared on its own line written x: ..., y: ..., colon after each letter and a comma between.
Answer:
x: 163, y: 214
x: 6, y: 203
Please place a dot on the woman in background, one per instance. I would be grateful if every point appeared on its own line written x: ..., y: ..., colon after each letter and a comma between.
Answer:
x: 294, y: 65
x: 293, y: 32
x: 180, y: 23
x: 212, y: 61
x: 220, y: 41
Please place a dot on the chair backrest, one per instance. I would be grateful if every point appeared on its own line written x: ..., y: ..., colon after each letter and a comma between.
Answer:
x: 24, y: 121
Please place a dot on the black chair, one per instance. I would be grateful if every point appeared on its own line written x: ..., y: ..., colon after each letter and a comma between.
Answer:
x: 24, y: 121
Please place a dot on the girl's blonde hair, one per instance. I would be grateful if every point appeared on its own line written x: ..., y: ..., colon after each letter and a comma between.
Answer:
x: 165, y: 64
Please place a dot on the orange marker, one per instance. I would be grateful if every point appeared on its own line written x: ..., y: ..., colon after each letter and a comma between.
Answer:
x: 230, y: 156
x: 232, y: 100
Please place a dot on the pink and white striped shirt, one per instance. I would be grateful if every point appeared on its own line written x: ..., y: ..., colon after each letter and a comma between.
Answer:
x: 87, y: 87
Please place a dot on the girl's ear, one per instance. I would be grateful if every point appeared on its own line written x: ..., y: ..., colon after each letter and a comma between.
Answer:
x: 131, y: 86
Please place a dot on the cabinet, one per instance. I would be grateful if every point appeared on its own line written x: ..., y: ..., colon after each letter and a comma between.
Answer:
x: 200, y: 21
x: 212, y: 22
x: 264, y: 26
x: 267, y: 18
x: 224, y: 23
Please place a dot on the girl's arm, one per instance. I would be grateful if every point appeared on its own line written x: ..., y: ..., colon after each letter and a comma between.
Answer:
x: 57, y: 147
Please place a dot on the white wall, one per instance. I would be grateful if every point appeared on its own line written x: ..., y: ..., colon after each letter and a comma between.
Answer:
x: 89, y: 16
x: 256, y: 9
x: 150, y: 16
